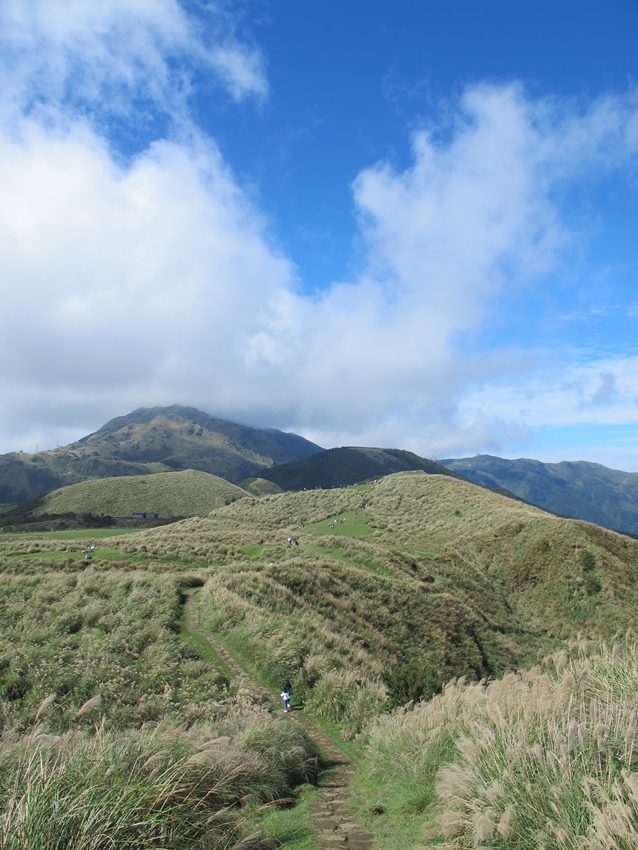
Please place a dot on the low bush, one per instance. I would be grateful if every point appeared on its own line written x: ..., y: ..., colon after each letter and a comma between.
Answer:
x: 412, y: 681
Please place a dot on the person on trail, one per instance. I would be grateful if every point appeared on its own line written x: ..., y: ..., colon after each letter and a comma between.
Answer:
x: 285, y: 695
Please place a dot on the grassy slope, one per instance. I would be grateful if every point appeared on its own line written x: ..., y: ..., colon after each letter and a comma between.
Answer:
x: 424, y: 567
x: 260, y: 487
x: 543, y: 758
x: 417, y: 568
x: 186, y: 493
x: 419, y: 572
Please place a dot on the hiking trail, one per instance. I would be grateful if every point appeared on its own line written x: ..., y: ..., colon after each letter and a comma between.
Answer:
x: 335, y: 824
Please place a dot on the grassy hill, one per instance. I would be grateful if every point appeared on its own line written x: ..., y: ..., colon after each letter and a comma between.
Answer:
x: 589, y: 491
x: 260, y: 487
x: 171, y: 494
x: 348, y: 465
x: 151, y: 440
x: 424, y: 570
x: 366, y: 597
x: 400, y: 585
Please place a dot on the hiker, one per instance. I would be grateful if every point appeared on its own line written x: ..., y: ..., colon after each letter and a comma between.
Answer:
x: 285, y: 695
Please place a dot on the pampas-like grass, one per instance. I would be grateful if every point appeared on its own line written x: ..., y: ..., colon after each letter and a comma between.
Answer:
x: 159, y: 787
x: 541, y: 759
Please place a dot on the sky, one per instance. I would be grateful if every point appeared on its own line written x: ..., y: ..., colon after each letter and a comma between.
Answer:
x: 406, y: 224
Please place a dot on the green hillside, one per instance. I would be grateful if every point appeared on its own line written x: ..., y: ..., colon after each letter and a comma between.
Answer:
x: 260, y: 487
x: 589, y: 491
x: 170, y: 494
x: 422, y: 567
x: 366, y: 597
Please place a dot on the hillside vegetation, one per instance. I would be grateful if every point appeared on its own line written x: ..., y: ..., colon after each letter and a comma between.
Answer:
x: 592, y: 492
x: 367, y: 597
x: 540, y: 759
x: 260, y: 487
x: 171, y: 494
x: 161, y: 439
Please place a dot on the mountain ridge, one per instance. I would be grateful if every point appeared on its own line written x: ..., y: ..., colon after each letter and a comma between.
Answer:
x: 341, y: 467
x: 162, y: 439
x: 579, y: 489
x: 148, y: 440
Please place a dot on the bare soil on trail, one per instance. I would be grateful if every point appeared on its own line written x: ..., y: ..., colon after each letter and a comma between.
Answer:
x: 335, y: 824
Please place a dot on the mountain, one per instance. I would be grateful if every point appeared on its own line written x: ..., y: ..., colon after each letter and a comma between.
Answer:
x: 162, y: 439
x: 349, y: 465
x: 579, y: 489
x: 150, y: 440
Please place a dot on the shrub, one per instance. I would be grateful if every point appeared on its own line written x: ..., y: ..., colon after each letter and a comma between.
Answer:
x: 587, y: 560
x: 412, y: 681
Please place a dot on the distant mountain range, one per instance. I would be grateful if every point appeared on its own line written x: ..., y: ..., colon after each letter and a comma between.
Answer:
x: 161, y: 439
x: 576, y: 489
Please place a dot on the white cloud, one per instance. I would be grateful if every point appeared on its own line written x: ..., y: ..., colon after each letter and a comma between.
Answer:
x: 125, y: 274
x: 119, y: 58
x: 154, y: 280
x: 242, y: 69
x: 570, y: 390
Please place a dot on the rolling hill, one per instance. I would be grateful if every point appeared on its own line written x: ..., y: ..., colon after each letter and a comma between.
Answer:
x: 419, y: 569
x: 588, y: 491
x: 161, y: 439
x: 150, y: 440
x: 169, y: 494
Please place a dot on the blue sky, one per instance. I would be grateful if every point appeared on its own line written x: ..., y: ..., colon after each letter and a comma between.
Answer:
x: 406, y: 224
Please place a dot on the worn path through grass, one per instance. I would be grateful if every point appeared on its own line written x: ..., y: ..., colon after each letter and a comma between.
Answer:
x: 335, y: 824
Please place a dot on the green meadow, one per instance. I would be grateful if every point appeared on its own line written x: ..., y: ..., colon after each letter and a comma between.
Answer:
x: 454, y: 643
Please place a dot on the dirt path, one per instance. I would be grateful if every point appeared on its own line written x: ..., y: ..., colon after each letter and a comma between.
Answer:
x: 335, y: 824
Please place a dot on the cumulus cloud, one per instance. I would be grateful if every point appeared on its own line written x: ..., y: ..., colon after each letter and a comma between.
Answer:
x: 121, y: 275
x: 474, y: 218
x: 152, y: 278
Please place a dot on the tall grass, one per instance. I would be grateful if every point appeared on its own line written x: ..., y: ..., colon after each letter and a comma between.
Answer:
x: 544, y: 759
x: 450, y: 580
x: 155, y: 787
x: 110, y: 633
